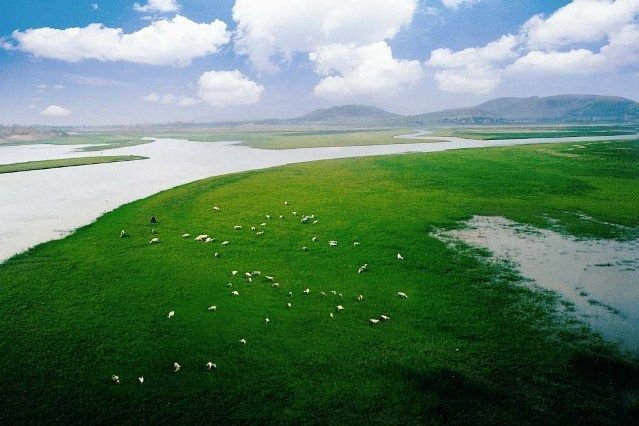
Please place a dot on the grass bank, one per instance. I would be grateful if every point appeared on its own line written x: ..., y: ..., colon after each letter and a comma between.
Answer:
x: 468, y: 345
x: 530, y: 132
x: 65, y: 162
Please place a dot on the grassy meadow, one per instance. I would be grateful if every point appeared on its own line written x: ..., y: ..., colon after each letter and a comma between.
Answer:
x: 469, y: 345
x: 96, y: 141
x: 65, y: 162
x: 529, y: 132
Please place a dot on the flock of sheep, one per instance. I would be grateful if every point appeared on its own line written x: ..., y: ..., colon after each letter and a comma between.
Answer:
x: 249, y: 276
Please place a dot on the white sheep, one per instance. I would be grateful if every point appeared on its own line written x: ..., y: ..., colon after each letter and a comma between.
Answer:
x: 268, y: 216
x: 263, y: 224
x: 307, y: 291
x: 153, y: 231
x: 362, y: 268
x: 256, y: 273
x: 373, y: 321
x: 384, y: 317
x: 141, y: 379
x: 402, y: 295
x: 154, y: 241
x: 294, y: 213
x: 315, y: 222
x: 355, y: 243
x: 248, y: 274
x: 237, y: 227
x: 259, y: 233
x: 340, y: 295
x: 331, y: 315
x: 122, y: 234
x: 286, y: 203
x: 216, y: 208
x: 290, y: 293
x: 216, y: 255
x: 201, y: 237
x: 225, y: 243
x: 340, y: 308
x: 186, y: 235
x: 267, y: 320
x: 235, y: 293
x: 213, y: 308
x: 171, y: 314
x: 209, y: 240
x: 323, y: 293
x: 276, y: 285
x: 281, y: 216
x: 332, y: 243
x: 253, y: 228
x: 314, y: 239
x: 242, y: 341
x: 115, y: 379
x: 176, y: 367
x: 229, y: 285
x: 269, y: 278
x: 233, y: 273
x: 304, y: 248
x: 288, y: 305
x: 400, y: 257
x: 210, y: 366
x: 360, y: 297
x: 333, y: 292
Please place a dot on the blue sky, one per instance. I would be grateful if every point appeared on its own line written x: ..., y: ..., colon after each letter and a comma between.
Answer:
x: 407, y: 56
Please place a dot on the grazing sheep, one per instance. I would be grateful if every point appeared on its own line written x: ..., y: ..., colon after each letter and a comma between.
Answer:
x: 233, y: 273
x: 288, y: 305
x: 115, y: 379
x: 229, y: 285
x: 286, y: 203
x: 305, y: 219
x: 333, y: 292
x: 340, y: 295
x: 237, y: 227
x: 248, y: 274
x: 267, y: 320
x: 153, y: 231
x: 384, y: 317
x: 259, y: 233
x: 122, y: 234
x: 269, y: 278
x: 315, y: 222
x: 332, y: 243
x: 257, y: 273
x: 323, y: 293
x: 213, y: 308
x: 186, y: 235
x: 362, y: 268
x: 290, y: 293
x: 171, y: 314
x: 340, y: 308
x: 235, y: 293
x: 242, y: 341
x: 314, y: 239
x: 276, y: 285
x: 360, y: 297
x: 263, y: 224
x: 307, y: 291
x: 201, y: 237
x: 216, y: 208
x: 294, y: 213
x: 400, y: 257
x: 209, y: 240
x: 281, y: 216
x: 373, y: 321
x: 154, y: 241
x: 216, y: 255
x: 331, y: 315
x: 141, y: 379
x: 176, y: 367
x: 402, y: 295
x: 304, y: 248
x: 355, y: 243
x: 253, y: 228
x: 210, y: 366
x: 225, y: 243
x: 268, y: 216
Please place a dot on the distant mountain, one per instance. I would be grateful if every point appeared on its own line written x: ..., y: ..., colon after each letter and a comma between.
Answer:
x: 350, y: 115
x: 563, y: 108
x: 552, y: 109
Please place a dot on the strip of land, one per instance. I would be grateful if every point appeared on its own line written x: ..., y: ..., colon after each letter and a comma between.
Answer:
x: 65, y: 162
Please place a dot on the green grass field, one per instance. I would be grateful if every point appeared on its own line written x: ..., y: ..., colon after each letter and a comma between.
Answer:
x: 529, y: 132
x: 65, y: 162
x: 99, y: 141
x: 469, y: 345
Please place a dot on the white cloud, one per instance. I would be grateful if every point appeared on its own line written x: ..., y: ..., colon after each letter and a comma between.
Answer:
x: 95, y: 6
x: 163, y: 6
x: 454, y: 4
x: 32, y: 106
x: 581, y: 21
x: 170, y: 99
x: 575, y: 61
x: 270, y: 32
x: 475, y: 69
x: 58, y: 86
x: 174, y: 42
x: 55, y: 111
x: 223, y: 88
x: 369, y: 70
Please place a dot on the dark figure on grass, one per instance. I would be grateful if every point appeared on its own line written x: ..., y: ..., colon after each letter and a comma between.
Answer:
x: 153, y: 219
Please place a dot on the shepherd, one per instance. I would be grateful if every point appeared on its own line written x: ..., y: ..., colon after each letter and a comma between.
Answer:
x: 153, y: 219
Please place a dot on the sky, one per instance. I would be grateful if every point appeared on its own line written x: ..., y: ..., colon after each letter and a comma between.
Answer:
x: 94, y: 62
